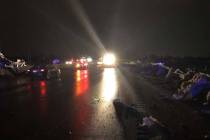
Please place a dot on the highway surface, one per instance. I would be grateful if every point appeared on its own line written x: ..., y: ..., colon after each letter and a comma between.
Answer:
x: 79, y: 106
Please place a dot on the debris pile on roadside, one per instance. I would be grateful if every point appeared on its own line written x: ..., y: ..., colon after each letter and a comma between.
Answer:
x: 138, y: 125
x: 10, y: 68
x: 186, y: 85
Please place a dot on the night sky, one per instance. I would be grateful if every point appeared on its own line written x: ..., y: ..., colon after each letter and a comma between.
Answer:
x: 131, y: 28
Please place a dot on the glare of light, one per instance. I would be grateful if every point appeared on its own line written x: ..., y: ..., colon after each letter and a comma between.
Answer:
x: 160, y: 63
x: 109, y: 59
x: 109, y: 84
x: 84, y: 20
x: 86, y: 76
x: 78, y: 73
x: 18, y: 60
x: 99, y: 63
x: 42, y: 70
x: 43, y: 91
x: 43, y: 88
x: 82, y: 82
x: 82, y: 60
x: 78, y: 78
x: 68, y: 62
x: 77, y: 65
x: 56, y: 61
x: 89, y: 60
x: 35, y: 71
x: 42, y: 83
x: 85, y: 71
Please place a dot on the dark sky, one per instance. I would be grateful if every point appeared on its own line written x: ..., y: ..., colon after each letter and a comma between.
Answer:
x: 129, y: 27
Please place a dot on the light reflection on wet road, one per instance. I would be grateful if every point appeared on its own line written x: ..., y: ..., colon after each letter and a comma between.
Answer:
x: 104, y: 122
x: 77, y: 107
x: 109, y: 85
x: 82, y: 82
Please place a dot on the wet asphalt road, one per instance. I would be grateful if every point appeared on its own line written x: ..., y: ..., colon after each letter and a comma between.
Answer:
x: 80, y: 106
x: 77, y: 106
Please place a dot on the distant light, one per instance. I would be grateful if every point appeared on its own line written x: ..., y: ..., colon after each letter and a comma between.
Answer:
x: 42, y: 83
x: 43, y: 88
x: 99, y: 63
x: 68, y: 62
x: 86, y: 76
x: 28, y: 70
x: 109, y: 59
x: 35, y: 71
x: 77, y: 65
x: 85, y: 71
x: 56, y: 61
x: 160, y: 63
x: 82, y: 60
x: 18, y: 60
x: 89, y: 59
x: 42, y: 70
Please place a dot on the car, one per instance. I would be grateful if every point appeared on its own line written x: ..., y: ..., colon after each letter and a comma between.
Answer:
x: 107, y: 61
x: 44, y: 72
x: 37, y: 72
x: 81, y: 64
x: 53, y: 72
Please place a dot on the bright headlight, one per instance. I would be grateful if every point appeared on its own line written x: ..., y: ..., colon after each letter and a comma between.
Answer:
x: 109, y: 59
x: 89, y: 59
